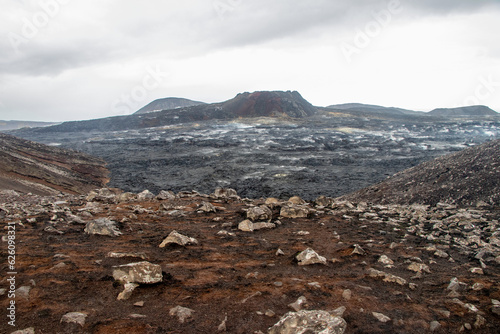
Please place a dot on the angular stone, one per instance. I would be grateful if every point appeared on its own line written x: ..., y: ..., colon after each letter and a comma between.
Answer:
x: 434, y: 326
x: 358, y: 250
x: 309, y: 257
x: 480, y: 322
x: 117, y: 255
x: 165, y: 195
x: 347, y: 294
x: 225, y: 193
x: 182, y: 313
x: 139, y: 272
x: 272, y: 202
x: 30, y: 330
x: 246, y: 226
x: 102, y: 226
x: 456, y: 286
x: 339, y: 312
x: 294, y: 212
x: 23, y: 292
x: 259, y: 213
x: 381, y: 317
x: 384, y: 259
x: 419, y: 267
x: 296, y: 200
x: 207, y: 207
x: 126, y: 197
x: 127, y: 292
x: 311, y: 322
x: 297, y: 305
x: 176, y: 238
x: 261, y: 226
x: 390, y: 278
x: 478, y: 271
x: 74, y: 317
x: 441, y: 254
x: 146, y: 195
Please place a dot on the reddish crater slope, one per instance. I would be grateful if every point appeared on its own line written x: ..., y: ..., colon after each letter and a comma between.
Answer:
x: 29, y: 167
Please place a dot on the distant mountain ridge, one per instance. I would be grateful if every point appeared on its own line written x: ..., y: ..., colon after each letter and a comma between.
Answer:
x: 167, y: 104
x: 464, y: 111
x: 14, y: 125
x: 373, y: 109
x: 245, y: 105
x: 277, y: 104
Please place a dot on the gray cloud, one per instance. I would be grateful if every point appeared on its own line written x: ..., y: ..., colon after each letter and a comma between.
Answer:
x: 102, y: 34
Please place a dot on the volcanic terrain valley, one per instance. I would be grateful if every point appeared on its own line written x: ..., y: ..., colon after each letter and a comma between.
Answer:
x: 262, y: 214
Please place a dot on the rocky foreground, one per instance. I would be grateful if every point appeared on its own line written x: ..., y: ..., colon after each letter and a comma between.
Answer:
x: 116, y: 262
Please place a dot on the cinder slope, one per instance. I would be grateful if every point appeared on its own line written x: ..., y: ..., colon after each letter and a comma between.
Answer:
x: 26, y: 166
x: 464, y: 178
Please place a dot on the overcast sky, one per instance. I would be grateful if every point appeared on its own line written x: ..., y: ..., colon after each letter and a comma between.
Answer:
x: 69, y: 60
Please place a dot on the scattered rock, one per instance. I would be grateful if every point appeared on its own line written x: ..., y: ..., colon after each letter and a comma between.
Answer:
x: 260, y: 213
x: 117, y: 255
x: 261, y: 226
x: 419, y: 267
x: 246, y: 226
x: 30, y: 330
x: 23, y: 292
x: 441, y: 254
x: 381, y: 317
x: 386, y: 276
x: 75, y: 318
x: 309, y: 257
x: 146, y: 195
x: 139, y: 272
x: 347, y: 295
x: 313, y: 322
x: 480, y: 322
x: 434, y: 326
x: 297, y: 305
x: 176, y: 238
x: 207, y: 207
x: 384, y: 259
x: 127, y: 291
x: 222, y: 327
x: 225, y: 193
x: 165, y: 195
x: 102, y: 226
x: 182, y: 313
x: 358, y: 250
x: 294, y: 212
x: 478, y: 271
x: 296, y: 200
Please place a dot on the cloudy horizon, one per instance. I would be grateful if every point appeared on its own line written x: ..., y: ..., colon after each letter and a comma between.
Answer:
x: 66, y: 60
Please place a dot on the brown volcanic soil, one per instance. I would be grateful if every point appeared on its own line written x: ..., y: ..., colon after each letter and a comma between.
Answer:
x: 241, y: 276
x: 463, y: 178
x: 27, y: 166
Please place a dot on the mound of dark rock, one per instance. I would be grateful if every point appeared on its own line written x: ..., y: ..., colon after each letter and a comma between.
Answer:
x: 464, y: 112
x: 29, y: 167
x: 466, y: 178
